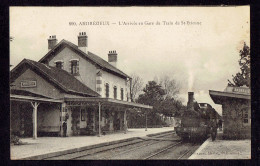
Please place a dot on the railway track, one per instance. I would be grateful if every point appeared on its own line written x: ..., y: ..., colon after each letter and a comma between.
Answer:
x: 163, y: 150
x: 162, y: 146
x: 114, y: 149
x: 191, y: 150
x: 181, y: 150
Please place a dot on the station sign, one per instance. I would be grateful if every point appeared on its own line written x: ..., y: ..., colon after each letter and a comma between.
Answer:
x: 28, y: 84
x: 241, y: 90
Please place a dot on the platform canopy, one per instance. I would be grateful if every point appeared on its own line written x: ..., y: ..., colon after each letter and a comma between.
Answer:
x: 219, y: 97
x: 79, y: 101
x: 33, y: 98
x: 26, y: 96
x: 107, y: 102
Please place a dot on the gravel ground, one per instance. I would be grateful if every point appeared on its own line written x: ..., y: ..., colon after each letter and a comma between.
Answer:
x: 224, y: 149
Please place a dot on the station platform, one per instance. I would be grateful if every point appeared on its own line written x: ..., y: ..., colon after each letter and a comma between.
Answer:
x: 47, y: 145
x: 223, y: 149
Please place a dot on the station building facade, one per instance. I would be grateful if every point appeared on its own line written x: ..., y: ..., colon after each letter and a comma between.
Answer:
x: 70, y: 84
x: 236, y: 111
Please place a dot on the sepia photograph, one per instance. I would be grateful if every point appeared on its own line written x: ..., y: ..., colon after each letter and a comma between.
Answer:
x: 130, y: 83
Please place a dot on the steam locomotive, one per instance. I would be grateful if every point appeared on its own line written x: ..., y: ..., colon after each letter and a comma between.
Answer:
x: 196, y: 120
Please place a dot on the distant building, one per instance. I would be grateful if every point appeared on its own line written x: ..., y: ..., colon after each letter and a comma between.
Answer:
x: 69, y: 81
x: 236, y: 111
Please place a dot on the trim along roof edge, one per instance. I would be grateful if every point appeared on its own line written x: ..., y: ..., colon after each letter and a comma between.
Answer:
x: 91, y: 56
x: 228, y: 94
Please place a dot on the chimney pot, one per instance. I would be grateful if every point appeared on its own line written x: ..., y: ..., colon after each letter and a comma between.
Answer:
x: 83, y: 41
x: 52, y: 41
x: 112, y: 57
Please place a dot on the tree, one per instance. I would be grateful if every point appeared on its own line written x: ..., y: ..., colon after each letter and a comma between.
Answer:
x: 243, y: 77
x: 170, y: 86
x: 136, y: 86
x: 170, y: 107
x: 153, y: 94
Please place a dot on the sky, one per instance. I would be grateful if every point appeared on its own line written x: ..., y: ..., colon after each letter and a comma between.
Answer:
x: 196, y: 46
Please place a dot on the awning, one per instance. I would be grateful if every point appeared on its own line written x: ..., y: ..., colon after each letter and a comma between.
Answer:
x: 219, y: 97
x: 29, y: 99
x: 35, y: 100
x: 98, y: 101
x: 104, y: 101
x: 26, y: 96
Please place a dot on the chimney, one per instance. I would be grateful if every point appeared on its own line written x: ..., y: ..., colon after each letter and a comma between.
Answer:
x: 112, y: 58
x: 52, y: 41
x: 190, y: 104
x: 83, y: 41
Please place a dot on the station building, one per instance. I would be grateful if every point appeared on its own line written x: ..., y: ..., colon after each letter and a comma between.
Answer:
x: 71, y: 84
x: 236, y: 111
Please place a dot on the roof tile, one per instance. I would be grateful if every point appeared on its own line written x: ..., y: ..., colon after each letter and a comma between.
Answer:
x: 62, y: 78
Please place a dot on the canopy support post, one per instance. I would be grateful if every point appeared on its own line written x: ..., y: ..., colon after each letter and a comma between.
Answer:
x: 125, y: 121
x: 145, y: 120
x: 35, y: 106
x: 99, y: 117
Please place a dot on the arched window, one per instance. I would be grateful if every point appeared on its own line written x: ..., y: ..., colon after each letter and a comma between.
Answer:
x: 107, y: 90
x: 59, y: 64
x: 74, y: 66
x: 115, y: 92
x: 122, y: 94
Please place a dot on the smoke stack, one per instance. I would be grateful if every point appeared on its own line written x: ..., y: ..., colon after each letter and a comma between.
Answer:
x: 83, y: 41
x: 190, y: 104
x: 52, y: 41
x: 112, y: 58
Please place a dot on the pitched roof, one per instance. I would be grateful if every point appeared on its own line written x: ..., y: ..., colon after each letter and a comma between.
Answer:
x: 59, y: 77
x: 26, y: 93
x: 219, y: 97
x: 90, y: 56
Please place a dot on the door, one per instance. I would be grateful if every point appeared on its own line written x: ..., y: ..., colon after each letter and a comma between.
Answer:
x: 26, y: 120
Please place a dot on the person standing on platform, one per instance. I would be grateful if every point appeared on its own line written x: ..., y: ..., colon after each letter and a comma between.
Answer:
x: 214, y: 128
x: 64, y: 125
x: 220, y: 124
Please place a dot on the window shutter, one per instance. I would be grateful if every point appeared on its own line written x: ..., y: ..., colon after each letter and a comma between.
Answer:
x: 77, y: 67
x: 70, y: 68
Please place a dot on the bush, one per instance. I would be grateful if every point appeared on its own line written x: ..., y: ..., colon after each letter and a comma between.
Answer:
x: 15, y: 140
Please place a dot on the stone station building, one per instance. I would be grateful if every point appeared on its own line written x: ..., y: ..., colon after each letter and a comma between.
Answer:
x: 236, y: 111
x: 70, y: 81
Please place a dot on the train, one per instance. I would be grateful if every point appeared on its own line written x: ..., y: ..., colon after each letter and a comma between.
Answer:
x: 196, y: 120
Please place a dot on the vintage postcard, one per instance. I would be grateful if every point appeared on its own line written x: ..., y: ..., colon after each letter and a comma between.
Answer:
x: 108, y: 83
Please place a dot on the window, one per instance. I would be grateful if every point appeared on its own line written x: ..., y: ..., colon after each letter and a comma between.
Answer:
x: 83, y: 114
x: 115, y: 92
x: 122, y: 94
x: 245, y: 116
x: 107, y: 90
x: 74, y: 67
x: 59, y: 65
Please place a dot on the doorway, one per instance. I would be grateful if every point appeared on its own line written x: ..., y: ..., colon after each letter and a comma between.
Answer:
x: 26, y: 121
